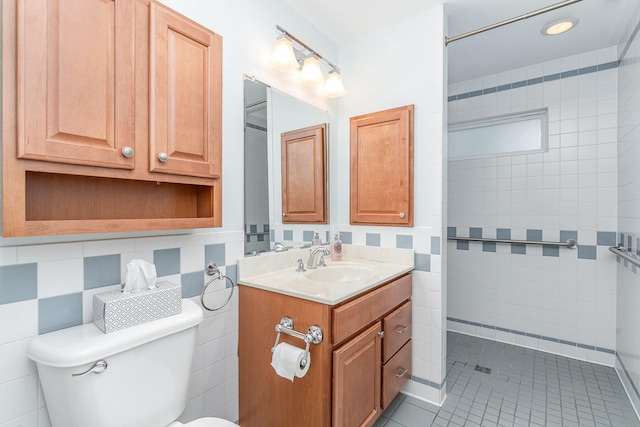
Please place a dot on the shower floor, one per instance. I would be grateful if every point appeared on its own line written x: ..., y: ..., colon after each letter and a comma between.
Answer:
x: 496, y: 384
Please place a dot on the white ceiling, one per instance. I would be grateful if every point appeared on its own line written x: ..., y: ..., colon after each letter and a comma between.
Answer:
x: 603, y: 23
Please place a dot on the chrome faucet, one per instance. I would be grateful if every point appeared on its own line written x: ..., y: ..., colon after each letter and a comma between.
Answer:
x: 313, y: 258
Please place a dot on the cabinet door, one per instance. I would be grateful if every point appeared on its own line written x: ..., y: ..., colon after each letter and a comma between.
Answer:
x: 185, y: 108
x: 382, y: 167
x: 303, y: 175
x: 76, y: 75
x: 356, y: 380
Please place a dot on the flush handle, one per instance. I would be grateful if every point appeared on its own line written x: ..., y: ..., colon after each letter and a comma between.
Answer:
x: 99, y: 367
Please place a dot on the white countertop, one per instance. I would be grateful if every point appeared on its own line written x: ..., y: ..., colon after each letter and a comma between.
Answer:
x: 277, y: 272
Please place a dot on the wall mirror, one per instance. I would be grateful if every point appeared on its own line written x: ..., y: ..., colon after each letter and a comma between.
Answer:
x: 274, y: 120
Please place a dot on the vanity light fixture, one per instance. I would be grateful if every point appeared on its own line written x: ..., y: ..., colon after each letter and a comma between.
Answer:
x: 311, y: 72
x: 289, y: 46
x: 559, y: 27
x: 334, y: 88
x: 283, y: 57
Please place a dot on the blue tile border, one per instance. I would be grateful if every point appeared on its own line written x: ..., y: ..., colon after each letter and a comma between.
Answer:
x: 18, y: 282
x: 428, y: 383
x: 167, y: 261
x: 532, y: 335
x: 100, y: 271
x: 422, y: 262
x: 545, y: 78
x: 59, y: 312
x: 589, y: 252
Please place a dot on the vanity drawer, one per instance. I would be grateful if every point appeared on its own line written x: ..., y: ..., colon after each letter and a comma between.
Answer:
x: 355, y: 315
x: 395, y: 373
x: 397, y: 330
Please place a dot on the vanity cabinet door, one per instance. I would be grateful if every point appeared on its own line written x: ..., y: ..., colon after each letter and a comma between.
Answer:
x: 304, y: 176
x: 185, y: 108
x: 382, y: 168
x: 75, y: 102
x: 356, y: 379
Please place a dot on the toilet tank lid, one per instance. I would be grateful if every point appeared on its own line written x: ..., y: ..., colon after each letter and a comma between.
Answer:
x: 86, y: 343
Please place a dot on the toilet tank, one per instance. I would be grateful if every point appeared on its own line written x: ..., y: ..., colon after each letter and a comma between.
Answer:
x: 144, y: 385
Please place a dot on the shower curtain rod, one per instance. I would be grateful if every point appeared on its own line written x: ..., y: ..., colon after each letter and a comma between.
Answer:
x: 448, y: 40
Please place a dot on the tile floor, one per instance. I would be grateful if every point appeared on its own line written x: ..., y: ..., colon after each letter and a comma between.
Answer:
x: 524, y: 388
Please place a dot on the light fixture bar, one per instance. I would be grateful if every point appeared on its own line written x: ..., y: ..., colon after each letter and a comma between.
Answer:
x: 295, y: 39
x: 448, y: 40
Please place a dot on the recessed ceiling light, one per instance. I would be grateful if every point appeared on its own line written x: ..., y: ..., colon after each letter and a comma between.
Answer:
x: 559, y: 27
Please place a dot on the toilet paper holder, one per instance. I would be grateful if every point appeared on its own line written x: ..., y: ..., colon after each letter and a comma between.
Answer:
x: 313, y: 335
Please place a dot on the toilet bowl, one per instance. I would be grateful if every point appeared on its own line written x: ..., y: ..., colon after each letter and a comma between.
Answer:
x: 135, y: 377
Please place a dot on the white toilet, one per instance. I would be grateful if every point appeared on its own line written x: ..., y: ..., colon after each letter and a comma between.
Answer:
x: 135, y: 377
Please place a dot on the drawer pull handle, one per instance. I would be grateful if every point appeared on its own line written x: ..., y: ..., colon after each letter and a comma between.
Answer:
x: 403, y: 373
x: 401, y: 329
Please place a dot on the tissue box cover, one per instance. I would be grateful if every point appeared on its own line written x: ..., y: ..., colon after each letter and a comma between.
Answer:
x: 116, y: 310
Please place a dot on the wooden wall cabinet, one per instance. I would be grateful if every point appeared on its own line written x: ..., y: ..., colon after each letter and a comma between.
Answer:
x: 304, y: 194
x: 382, y: 168
x: 355, y: 372
x: 86, y: 118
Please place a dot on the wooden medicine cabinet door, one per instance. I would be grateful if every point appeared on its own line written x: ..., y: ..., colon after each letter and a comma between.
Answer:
x: 304, y: 175
x: 382, y: 168
x: 185, y: 110
x: 75, y: 102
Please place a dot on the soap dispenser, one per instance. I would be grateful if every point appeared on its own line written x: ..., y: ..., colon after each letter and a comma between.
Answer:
x: 336, y: 249
x: 316, y: 240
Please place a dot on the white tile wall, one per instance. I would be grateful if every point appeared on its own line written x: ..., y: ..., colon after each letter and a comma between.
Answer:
x: 628, y: 302
x: 60, y: 271
x: 572, y: 186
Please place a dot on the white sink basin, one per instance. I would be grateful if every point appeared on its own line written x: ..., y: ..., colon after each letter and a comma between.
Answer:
x: 340, y: 272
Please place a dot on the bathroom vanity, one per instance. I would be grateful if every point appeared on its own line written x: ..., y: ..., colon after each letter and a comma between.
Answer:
x: 363, y: 308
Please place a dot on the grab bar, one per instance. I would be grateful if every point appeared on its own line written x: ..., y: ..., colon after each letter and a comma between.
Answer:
x: 571, y: 243
x: 622, y: 253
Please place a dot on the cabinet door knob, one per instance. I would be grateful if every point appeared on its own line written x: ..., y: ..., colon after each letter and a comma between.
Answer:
x: 403, y: 373
x: 163, y: 157
x: 401, y: 329
x: 284, y: 214
x: 127, y: 151
x: 401, y: 214
x: 381, y: 334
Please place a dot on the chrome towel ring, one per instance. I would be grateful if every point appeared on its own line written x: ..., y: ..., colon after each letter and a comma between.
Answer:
x: 212, y: 270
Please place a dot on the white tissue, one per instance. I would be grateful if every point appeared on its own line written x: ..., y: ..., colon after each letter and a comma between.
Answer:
x: 141, y: 275
x: 286, y: 361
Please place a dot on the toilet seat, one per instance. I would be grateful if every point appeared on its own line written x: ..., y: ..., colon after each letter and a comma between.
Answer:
x: 205, y: 422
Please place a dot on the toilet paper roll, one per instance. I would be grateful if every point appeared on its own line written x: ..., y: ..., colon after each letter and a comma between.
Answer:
x: 286, y: 361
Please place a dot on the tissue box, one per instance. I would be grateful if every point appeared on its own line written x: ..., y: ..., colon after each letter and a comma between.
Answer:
x: 116, y: 310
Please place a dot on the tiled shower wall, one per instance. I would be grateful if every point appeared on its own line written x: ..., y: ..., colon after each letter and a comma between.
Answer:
x: 44, y: 288
x: 553, y: 299
x: 628, y: 342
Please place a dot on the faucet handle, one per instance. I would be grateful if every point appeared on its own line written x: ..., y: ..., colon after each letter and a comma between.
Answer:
x: 300, y: 268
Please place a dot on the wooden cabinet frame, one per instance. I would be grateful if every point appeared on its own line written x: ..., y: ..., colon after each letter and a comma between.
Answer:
x: 304, y: 175
x: 382, y: 168
x: 68, y: 176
